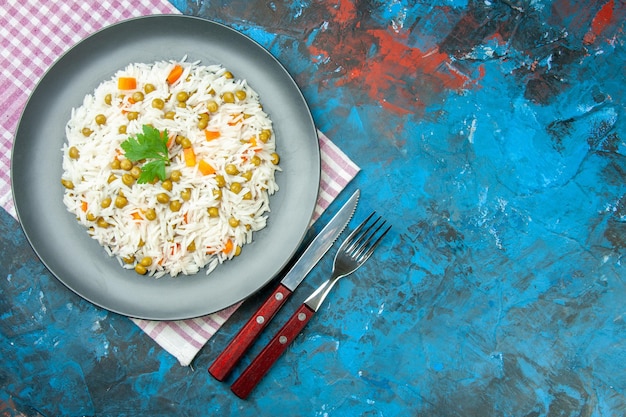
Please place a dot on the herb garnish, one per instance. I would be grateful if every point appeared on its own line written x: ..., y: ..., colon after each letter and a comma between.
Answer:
x: 150, y: 145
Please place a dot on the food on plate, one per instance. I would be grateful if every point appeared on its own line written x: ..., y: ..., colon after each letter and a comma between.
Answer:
x: 170, y: 166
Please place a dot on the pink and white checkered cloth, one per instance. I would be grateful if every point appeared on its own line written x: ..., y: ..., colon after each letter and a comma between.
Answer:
x: 33, y: 34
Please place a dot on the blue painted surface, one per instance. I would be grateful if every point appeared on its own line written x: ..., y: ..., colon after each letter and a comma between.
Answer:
x: 492, y: 136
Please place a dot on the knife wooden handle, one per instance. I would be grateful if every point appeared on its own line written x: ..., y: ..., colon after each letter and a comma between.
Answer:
x: 227, y: 360
x: 264, y: 361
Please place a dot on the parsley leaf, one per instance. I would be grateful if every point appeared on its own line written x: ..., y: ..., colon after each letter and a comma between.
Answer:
x: 150, y: 170
x: 149, y: 145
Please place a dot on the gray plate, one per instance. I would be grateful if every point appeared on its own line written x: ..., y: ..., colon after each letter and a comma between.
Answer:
x: 64, y: 246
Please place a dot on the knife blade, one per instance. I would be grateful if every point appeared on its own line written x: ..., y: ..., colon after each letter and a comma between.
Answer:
x: 226, y: 361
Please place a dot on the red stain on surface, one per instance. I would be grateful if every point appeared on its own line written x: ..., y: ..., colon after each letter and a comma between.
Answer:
x: 482, y: 71
x: 603, y: 17
x: 399, y: 77
x: 317, y: 54
x: 600, y: 22
x: 345, y: 11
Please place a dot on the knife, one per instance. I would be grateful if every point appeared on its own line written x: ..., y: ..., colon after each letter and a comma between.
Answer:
x: 227, y: 360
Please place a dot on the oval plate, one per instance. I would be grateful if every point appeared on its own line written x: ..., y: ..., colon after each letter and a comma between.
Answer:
x: 80, y: 262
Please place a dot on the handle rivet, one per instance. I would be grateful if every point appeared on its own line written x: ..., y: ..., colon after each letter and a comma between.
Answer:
x: 260, y: 319
x: 301, y: 316
x: 279, y: 296
x: 282, y: 340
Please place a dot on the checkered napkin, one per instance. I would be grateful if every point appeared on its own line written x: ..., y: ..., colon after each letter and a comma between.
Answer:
x: 33, y: 34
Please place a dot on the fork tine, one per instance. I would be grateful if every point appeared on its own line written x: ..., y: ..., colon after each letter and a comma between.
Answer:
x: 358, y: 245
x: 369, y: 252
x: 366, y: 247
x: 352, y: 238
x: 365, y: 238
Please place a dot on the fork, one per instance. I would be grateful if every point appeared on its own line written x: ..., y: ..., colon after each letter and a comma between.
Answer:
x: 353, y: 252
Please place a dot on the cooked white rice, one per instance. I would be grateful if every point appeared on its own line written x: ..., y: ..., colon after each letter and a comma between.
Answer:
x: 187, y: 240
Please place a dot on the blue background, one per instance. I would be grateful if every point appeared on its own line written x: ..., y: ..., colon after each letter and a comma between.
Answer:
x: 491, y: 135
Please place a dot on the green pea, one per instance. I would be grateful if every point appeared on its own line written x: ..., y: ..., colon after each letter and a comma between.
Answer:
x: 163, y: 198
x: 175, y: 205
x: 73, y: 152
x: 158, y: 103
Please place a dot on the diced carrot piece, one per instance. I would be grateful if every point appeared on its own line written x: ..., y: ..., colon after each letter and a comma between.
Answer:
x: 228, y: 247
x: 127, y: 83
x: 174, y: 74
x: 211, y: 134
x: 84, y: 206
x: 170, y: 140
x: 205, y: 167
x: 190, y: 157
x: 136, y: 216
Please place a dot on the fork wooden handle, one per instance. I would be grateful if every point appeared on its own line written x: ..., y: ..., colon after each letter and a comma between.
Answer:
x: 264, y: 361
x: 227, y: 360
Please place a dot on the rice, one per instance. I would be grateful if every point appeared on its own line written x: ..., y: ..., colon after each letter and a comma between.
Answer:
x: 209, y: 216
